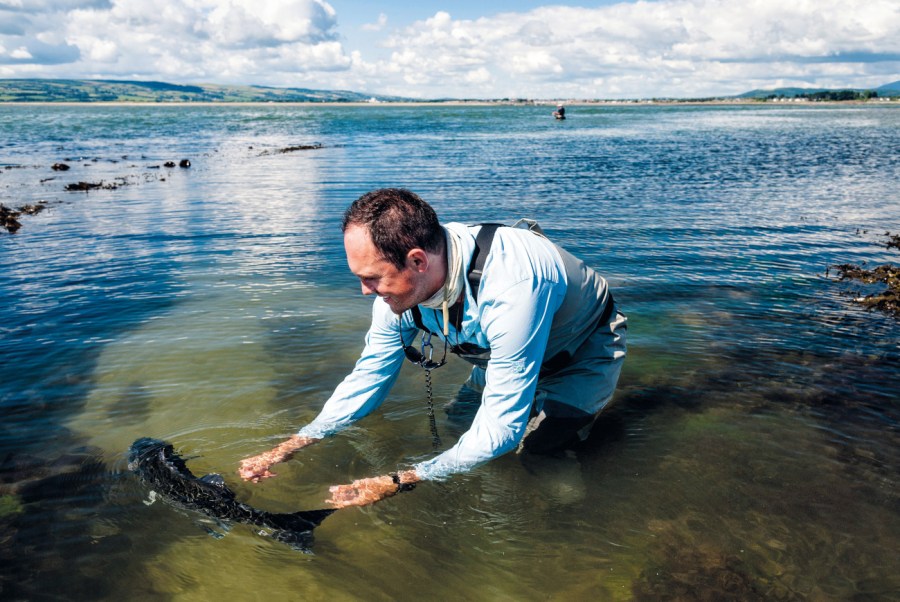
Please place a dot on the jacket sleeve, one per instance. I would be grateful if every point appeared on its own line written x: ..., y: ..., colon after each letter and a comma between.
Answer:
x: 517, y: 325
x: 366, y: 387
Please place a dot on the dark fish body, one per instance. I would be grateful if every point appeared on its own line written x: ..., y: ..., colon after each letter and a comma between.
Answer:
x: 166, y: 474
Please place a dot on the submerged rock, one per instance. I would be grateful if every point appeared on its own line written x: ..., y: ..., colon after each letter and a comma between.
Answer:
x: 685, y: 566
x: 10, y: 505
x: 59, y: 167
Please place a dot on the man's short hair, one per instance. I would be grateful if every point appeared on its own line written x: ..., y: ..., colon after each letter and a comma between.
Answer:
x: 397, y: 221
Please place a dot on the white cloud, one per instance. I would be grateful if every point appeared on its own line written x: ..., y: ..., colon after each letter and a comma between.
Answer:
x: 631, y: 49
x: 669, y: 47
x: 240, y: 23
x: 20, y: 54
x: 534, y: 62
x: 237, y: 41
x: 478, y: 76
x: 378, y: 25
x: 45, y: 6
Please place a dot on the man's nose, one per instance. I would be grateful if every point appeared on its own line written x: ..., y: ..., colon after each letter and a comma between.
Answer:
x: 366, y: 289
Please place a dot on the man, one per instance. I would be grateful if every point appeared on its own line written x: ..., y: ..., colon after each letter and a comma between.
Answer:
x: 540, y: 327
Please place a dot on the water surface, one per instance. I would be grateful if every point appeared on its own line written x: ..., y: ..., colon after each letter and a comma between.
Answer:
x: 752, y: 451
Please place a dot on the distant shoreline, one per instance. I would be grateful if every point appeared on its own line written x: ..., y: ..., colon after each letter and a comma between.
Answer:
x: 112, y: 92
x: 462, y: 103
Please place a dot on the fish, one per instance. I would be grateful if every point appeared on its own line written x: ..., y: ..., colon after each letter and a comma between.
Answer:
x: 167, y: 476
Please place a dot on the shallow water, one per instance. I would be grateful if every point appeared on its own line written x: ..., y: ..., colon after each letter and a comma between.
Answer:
x: 752, y: 452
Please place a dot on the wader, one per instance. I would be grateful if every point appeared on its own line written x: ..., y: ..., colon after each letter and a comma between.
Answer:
x: 586, y: 368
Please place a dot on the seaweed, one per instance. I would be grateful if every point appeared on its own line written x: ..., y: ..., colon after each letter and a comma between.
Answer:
x: 86, y: 186
x: 887, y: 301
x: 291, y: 149
x: 9, y: 218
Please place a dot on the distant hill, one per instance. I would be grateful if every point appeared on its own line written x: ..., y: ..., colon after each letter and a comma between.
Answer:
x: 886, y: 90
x: 892, y: 89
x: 100, y: 90
x: 786, y: 92
x: 83, y: 90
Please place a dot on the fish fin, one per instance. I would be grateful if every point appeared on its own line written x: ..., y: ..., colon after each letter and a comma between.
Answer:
x: 301, y: 542
x: 299, y: 522
x: 214, y: 527
x: 314, y: 516
x: 213, y: 533
x: 213, y: 479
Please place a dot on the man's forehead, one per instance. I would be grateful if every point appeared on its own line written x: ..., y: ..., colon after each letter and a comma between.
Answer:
x: 357, y: 240
x: 362, y: 256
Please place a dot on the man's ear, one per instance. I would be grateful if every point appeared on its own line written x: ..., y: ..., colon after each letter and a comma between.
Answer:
x: 417, y: 260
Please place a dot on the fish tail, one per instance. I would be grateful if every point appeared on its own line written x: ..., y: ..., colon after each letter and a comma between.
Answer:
x: 305, y: 520
x: 313, y: 516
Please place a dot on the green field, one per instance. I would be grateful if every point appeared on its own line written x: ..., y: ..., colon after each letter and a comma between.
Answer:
x: 71, y: 90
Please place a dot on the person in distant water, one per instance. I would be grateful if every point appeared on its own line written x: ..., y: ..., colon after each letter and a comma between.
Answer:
x: 560, y: 112
x: 540, y: 327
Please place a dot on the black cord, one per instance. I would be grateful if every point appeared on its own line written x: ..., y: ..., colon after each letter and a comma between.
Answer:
x: 435, y: 438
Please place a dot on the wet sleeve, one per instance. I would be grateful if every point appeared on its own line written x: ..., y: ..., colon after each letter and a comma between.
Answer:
x: 517, y: 324
x: 366, y: 387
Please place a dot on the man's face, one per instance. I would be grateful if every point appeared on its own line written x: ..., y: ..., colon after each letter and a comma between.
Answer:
x: 401, y: 289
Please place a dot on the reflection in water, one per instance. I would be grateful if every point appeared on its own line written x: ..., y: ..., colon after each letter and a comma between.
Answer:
x: 751, y: 452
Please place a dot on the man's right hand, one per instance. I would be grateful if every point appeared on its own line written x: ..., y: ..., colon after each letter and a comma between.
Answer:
x: 257, y: 467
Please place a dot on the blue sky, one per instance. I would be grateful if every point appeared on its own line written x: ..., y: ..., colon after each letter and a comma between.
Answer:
x: 462, y: 49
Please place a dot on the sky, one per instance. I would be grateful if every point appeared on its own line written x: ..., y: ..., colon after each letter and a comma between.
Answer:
x: 461, y: 49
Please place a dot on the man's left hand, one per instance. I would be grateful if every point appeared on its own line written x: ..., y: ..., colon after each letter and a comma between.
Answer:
x: 362, y: 492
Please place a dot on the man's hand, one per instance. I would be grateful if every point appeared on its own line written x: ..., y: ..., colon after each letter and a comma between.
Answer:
x: 363, y: 492
x: 256, y: 468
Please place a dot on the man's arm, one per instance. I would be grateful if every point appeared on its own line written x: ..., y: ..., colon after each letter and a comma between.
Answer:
x: 363, y: 492
x: 257, y: 467
x: 359, y: 393
x: 517, y: 324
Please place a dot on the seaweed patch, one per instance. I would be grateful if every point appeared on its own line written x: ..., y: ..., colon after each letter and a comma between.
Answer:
x: 888, y: 300
x: 9, y: 218
x: 291, y: 149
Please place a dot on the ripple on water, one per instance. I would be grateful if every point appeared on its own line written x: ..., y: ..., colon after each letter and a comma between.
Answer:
x: 754, y: 425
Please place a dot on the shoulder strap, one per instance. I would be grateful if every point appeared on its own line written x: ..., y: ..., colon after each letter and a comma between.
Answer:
x: 417, y: 318
x: 479, y: 256
x: 476, y: 267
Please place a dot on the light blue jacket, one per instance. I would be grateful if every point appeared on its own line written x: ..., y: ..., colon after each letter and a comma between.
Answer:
x: 526, y: 312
